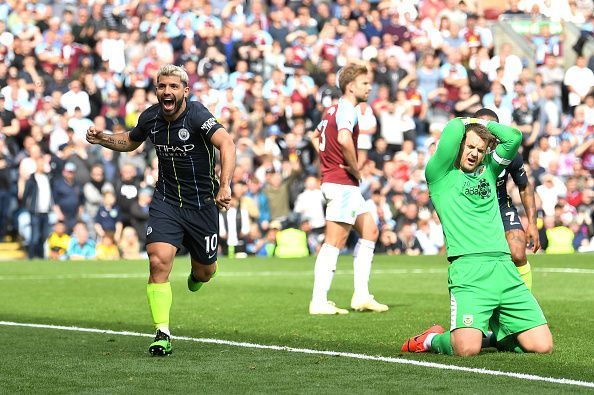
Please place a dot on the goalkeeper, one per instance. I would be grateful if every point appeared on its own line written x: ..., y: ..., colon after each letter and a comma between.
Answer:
x: 484, y: 284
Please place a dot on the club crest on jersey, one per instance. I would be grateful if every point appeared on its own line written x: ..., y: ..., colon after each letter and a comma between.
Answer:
x: 183, y: 134
x: 467, y: 319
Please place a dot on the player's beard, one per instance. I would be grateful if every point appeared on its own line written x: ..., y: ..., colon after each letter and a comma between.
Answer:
x: 178, y: 102
x: 362, y: 98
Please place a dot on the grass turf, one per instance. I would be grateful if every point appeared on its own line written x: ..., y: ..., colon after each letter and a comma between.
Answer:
x: 265, y: 301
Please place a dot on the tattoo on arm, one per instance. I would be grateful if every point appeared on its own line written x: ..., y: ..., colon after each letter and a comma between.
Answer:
x: 118, y: 142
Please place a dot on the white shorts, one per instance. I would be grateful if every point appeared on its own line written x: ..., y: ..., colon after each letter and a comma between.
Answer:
x: 344, y: 203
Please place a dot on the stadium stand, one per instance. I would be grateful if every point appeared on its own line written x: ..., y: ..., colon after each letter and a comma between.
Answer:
x: 267, y: 70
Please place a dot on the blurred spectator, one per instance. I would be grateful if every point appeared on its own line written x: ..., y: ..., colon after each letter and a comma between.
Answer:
x: 81, y: 247
x: 139, y: 213
x: 75, y: 98
x: 429, y: 235
x: 550, y: 190
x: 234, y: 224
x: 126, y: 189
x: 109, y: 217
x: 277, y: 190
x: 291, y: 243
x: 380, y: 210
x: 310, y: 205
x: 37, y: 200
x: 129, y: 244
x: 259, y: 197
x: 5, y: 185
x: 58, y: 242
x: 407, y: 242
x: 579, y: 80
x: 559, y: 237
x: 107, y: 249
x: 94, y: 189
x: 268, y: 69
x: 68, y: 196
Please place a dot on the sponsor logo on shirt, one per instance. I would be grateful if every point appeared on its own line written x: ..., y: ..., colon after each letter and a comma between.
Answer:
x: 483, y: 189
x: 164, y: 150
x: 206, y: 126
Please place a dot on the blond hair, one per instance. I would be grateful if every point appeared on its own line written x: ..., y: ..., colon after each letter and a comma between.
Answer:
x: 173, y: 70
x: 349, y: 73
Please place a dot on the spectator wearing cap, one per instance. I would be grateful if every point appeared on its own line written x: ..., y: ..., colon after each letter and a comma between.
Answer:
x: 68, y: 196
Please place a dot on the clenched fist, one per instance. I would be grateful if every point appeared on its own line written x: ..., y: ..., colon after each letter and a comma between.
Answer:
x: 94, y: 136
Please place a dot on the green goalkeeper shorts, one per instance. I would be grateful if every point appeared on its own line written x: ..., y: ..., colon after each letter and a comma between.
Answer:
x: 488, y: 287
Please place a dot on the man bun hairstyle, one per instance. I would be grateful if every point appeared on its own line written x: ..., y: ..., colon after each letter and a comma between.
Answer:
x: 348, y: 74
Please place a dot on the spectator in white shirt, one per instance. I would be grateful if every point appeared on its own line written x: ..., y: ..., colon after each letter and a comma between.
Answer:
x: 310, y: 203
x: 76, y: 97
x: 579, y: 80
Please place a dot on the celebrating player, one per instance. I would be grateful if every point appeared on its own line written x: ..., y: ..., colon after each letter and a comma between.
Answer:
x: 485, y: 287
x: 336, y: 140
x: 184, y: 209
x: 514, y: 232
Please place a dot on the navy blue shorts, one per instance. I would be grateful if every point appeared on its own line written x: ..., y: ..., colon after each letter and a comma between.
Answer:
x: 197, y: 230
x: 510, y: 218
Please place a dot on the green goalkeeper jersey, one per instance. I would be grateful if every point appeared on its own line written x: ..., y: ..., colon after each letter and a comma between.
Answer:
x: 466, y: 202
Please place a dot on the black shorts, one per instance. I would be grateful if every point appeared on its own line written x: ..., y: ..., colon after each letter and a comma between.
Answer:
x: 510, y: 218
x: 197, y: 230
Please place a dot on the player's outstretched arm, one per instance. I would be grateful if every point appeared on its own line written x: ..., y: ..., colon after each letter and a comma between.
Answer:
x: 224, y: 143
x: 117, y: 142
x: 447, y: 150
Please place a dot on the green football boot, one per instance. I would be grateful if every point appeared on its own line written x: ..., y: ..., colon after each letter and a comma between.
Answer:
x: 161, y: 347
x: 194, y: 285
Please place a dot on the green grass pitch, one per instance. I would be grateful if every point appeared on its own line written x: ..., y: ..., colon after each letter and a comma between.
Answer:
x: 265, y: 302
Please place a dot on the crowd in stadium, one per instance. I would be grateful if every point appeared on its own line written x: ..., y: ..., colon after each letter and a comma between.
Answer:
x: 267, y: 70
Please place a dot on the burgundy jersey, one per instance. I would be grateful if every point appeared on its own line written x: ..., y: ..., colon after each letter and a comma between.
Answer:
x: 337, y: 117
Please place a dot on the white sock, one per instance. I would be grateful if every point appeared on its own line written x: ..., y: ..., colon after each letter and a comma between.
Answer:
x: 428, y: 340
x: 165, y: 330
x: 363, y: 255
x: 324, y: 272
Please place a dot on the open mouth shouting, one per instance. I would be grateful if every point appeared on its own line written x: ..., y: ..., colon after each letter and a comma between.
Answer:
x: 168, y: 104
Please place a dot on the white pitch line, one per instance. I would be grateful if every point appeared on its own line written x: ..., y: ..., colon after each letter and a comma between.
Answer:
x: 264, y: 273
x: 402, y: 361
